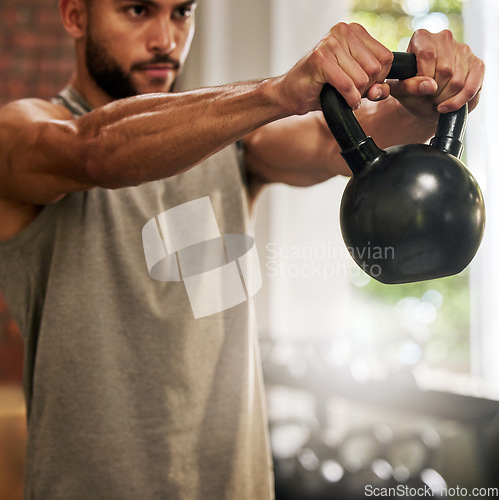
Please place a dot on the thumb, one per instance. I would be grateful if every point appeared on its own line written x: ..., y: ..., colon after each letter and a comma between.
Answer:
x: 417, y: 86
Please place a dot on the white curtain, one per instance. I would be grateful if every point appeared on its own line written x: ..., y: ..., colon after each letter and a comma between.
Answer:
x: 482, y: 25
x: 232, y: 43
x: 306, y: 288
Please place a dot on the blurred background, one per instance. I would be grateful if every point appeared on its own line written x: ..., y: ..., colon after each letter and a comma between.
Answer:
x: 369, y: 385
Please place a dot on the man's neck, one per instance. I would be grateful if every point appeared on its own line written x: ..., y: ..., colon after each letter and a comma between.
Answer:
x: 84, y: 84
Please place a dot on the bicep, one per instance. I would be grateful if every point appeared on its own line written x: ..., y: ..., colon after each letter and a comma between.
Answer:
x: 41, y: 155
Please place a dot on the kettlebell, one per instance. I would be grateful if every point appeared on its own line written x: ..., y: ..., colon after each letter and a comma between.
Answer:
x: 411, y: 212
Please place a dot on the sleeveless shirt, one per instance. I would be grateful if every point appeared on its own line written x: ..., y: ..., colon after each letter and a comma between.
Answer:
x: 128, y: 395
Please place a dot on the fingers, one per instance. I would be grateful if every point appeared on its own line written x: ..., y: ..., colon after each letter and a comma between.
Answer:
x: 352, y: 62
x: 378, y: 92
x: 418, y: 86
x: 343, y: 72
x: 457, y: 72
x: 348, y: 58
x: 464, y: 85
x: 373, y: 56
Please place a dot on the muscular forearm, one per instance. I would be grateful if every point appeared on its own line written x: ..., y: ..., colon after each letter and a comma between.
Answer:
x: 156, y: 136
x: 298, y: 150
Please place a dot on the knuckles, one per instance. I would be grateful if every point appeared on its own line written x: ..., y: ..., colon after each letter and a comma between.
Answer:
x: 426, y: 54
x: 361, y: 81
x: 386, y: 58
x: 469, y: 92
x: 480, y: 65
x: 456, y: 84
x: 373, y: 69
x: 420, y: 36
x: 444, y: 71
x: 446, y: 36
x: 342, y: 29
x: 465, y: 51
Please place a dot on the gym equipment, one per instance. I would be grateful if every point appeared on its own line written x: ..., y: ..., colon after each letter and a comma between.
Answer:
x: 412, y: 212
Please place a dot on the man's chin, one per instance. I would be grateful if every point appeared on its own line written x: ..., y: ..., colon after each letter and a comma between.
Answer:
x: 160, y: 85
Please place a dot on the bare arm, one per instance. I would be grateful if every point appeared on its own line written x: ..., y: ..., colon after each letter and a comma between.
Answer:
x: 45, y: 153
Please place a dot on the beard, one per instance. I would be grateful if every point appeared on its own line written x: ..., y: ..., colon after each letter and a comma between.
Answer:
x: 110, y: 76
x: 106, y: 71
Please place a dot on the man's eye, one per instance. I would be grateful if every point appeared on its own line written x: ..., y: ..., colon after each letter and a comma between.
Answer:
x: 184, y: 12
x: 136, y: 11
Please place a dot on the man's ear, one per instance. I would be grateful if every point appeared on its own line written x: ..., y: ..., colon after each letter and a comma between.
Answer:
x: 74, y: 17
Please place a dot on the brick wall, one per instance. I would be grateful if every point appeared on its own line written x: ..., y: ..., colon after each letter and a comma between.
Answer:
x: 36, y: 60
x: 36, y: 55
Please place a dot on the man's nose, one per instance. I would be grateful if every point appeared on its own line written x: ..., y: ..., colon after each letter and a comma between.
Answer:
x: 162, y: 37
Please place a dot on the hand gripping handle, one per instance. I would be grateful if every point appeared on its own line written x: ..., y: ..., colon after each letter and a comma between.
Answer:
x: 357, y: 148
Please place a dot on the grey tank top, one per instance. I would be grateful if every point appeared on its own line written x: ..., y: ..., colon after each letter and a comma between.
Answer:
x: 128, y: 394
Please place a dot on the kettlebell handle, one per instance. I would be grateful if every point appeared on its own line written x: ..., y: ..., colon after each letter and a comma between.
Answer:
x: 357, y: 149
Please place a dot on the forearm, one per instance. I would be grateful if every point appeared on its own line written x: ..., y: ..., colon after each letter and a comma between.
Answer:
x: 301, y: 151
x: 156, y: 136
x: 298, y: 150
x: 390, y: 124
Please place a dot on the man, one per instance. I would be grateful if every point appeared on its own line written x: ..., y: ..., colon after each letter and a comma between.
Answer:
x: 128, y: 395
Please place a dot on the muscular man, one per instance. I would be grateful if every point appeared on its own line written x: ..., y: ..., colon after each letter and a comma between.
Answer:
x: 128, y: 395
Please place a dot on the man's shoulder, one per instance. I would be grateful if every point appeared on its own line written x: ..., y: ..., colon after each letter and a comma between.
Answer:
x: 19, y: 122
x: 32, y: 109
x: 22, y: 117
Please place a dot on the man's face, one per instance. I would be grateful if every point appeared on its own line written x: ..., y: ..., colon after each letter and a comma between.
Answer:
x: 138, y: 47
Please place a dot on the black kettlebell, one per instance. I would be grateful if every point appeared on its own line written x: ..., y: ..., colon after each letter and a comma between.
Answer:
x: 412, y: 212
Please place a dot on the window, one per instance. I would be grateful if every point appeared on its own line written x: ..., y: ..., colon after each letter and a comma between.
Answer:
x: 317, y: 293
x: 425, y: 323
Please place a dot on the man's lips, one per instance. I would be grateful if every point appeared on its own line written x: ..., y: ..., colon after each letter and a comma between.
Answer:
x: 157, y: 70
x: 161, y: 67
